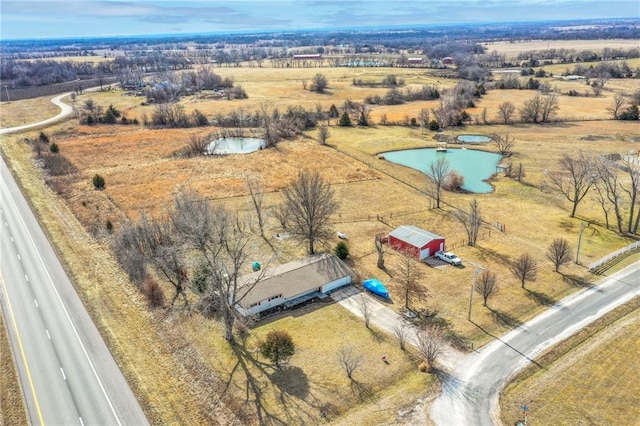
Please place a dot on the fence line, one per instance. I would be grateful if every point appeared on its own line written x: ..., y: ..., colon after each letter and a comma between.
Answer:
x: 608, y: 258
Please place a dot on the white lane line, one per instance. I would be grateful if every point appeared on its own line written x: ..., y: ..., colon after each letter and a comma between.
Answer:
x: 6, y: 224
x: 12, y: 239
x: 19, y: 258
x: 63, y: 376
x: 48, y: 335
x: 66, y: 312
x: 81, y: 422
x: 36, y: 302
x: 26, y: 277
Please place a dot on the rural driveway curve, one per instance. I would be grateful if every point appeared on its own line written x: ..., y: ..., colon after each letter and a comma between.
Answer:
x: 65, y: 111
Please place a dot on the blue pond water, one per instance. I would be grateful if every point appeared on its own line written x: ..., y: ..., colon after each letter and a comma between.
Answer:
x: 473, y: 138
x: 234, y: 146
x: 476, y: 166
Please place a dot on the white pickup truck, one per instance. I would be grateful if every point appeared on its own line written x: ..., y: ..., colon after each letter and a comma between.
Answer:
x: 449, y: 258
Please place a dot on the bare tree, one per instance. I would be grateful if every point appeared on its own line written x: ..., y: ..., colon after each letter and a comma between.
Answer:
x: 401, y: 333
x: 575, y: 178
x: 504, y: 144
x: 257, y: 201
x: 323, y: 135
x: 531, y: 109
x: 632, y: 192
x: 471, y: 221
x: 349, y: 360
x: 550, y: 106
x: 506, y: 112
x: 559, y: 252
x: 365, y: 308
x: 319, y: 83
x: 309, y: 203
x: 525, y: 268
x: 438, y: 171
x: 409, y: 275
x: 430, y: 342
x: 486, y: 285
x: 219, y: 241
x: 380, y: 251
x: 619, y: 99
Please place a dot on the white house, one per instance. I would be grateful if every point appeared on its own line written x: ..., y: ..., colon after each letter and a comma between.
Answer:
x: 292, y: 282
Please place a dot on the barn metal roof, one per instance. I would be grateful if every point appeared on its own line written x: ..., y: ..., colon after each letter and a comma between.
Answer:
x: 413, y: 235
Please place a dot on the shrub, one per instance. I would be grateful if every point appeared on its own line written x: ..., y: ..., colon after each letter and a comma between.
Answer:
x: 434, y: 126
x: 98, y: 182
x: 278, y: 347
x: 345, y: 121
x: 54, y: 148
x: 341, y: 250
x: 44, y: 138
x: 454, y: 181
x: 153, y: 292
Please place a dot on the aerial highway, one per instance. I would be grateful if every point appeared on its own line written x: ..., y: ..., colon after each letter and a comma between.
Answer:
x: 470, y: 393
x: 67, y: 373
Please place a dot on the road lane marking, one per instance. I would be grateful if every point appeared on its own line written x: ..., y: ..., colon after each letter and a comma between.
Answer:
x: 63, y: 376
x: 81, y: 422
x: 36, y: 302
x: 19, y: 258
x: 26, y: 277
x: 64, y: 308
x: 11, y: 239
x: 48, y: 335
x: 24, y: 356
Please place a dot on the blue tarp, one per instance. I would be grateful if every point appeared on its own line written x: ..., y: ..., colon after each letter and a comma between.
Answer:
x: 376, y: 287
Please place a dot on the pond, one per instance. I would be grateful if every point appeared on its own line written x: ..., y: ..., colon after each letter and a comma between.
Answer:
x: 234, y: 146
x: 476, y: 166
x: 473, y: 139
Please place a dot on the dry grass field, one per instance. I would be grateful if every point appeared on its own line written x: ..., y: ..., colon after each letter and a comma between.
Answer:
x: 17, y: 113
x: 142, y: 173
x: 512, y: 49
x: 12, y: 409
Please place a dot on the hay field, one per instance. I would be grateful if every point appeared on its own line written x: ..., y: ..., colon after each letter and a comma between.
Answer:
x: 512, y: 49
x: 142, y: 174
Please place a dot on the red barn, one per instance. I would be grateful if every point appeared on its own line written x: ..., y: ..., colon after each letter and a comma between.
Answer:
x: 420, y: 243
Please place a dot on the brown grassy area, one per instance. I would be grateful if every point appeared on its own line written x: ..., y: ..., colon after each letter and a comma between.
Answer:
x: 512, y: 49
x: 596, y: 382
x: 189, y: 356
x: 17, y: 113
x: 12, y: 408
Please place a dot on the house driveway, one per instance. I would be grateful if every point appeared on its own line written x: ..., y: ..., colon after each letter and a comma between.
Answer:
x: 384, y: 317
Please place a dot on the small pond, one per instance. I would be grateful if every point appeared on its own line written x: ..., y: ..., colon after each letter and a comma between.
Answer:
x: 476, y: 166
x: 234, y: 146
x: 473, y: 139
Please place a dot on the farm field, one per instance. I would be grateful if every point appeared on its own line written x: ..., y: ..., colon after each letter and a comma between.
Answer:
x: 512, y: 49
x: 17, y: 113
x: 142, y: 173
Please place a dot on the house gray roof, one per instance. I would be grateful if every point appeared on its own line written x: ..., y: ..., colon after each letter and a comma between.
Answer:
x: 293, y: 278
x: 413, y: 235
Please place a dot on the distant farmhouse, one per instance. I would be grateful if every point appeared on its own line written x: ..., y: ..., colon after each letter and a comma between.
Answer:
x: 293, y: 283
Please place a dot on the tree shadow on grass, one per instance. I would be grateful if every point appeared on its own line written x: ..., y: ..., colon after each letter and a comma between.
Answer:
x: 292, y: 387
x: 504, y: 319
x: 453, y: 386
x: 361, y: 389
x: 575, y: 281
x: 540, y: 298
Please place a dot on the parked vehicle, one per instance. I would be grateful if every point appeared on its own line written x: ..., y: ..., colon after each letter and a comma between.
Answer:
x: 449, y: 257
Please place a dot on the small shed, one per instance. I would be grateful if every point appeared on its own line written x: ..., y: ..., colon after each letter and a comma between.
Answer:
x: 300, y: 280
x: 420, y: 243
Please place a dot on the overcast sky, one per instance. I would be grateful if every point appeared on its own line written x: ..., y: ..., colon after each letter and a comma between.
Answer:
x: 73, y: 18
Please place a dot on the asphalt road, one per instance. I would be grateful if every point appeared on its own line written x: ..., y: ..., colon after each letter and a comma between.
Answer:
x: 470, y: 393
x: 66, y: 371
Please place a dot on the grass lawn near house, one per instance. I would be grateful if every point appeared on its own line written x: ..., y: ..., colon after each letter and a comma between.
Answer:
x: 26, y: 111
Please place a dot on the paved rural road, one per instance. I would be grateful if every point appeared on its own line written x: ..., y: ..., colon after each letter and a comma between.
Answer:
x: 65, y: 111
x: 470, y: 393
x: 67, y: 373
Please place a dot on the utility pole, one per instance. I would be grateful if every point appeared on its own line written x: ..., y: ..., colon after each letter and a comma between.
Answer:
x: 7, y: 92
x: 473, y: 285
x: 582, y: 226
